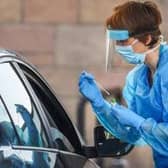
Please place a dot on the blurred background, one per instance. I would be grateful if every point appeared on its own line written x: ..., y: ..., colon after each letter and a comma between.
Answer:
x: 62, y: 38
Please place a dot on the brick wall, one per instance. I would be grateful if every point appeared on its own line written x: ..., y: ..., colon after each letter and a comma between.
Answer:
x: 62, y: 38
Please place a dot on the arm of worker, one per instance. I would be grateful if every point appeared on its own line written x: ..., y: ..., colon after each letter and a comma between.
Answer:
x: 102, y: 109
x: 113, y: 125
x: 154, y: 133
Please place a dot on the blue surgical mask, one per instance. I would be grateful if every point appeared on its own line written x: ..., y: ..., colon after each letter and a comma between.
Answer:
x: 130, y: 56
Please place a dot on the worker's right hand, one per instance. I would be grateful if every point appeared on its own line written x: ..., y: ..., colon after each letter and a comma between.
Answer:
x: 89, y: 89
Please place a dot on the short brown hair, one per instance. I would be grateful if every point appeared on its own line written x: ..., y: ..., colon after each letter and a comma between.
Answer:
x: 139, y: 18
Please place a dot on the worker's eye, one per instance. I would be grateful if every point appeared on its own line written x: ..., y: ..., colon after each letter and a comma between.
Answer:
x: 122, y: 42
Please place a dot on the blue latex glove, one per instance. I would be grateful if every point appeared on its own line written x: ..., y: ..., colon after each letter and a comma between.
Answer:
x: 89, y: 89
x: 126, y: 116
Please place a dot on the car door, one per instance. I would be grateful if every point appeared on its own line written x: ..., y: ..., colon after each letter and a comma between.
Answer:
x: 24, y: 141
x: 63, y: 133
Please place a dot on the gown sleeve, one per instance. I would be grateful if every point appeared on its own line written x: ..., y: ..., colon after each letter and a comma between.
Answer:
x: 125, y: 133
x: 154, y: 133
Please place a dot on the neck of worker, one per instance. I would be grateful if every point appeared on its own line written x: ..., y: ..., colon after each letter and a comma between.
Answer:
x: 152, y: 59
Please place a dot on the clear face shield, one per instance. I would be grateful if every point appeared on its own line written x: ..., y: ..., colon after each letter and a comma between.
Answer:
x: 111, y: 37
x: 116, y: 43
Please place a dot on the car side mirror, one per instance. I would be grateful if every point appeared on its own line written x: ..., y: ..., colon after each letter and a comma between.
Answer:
x: 109, y: 146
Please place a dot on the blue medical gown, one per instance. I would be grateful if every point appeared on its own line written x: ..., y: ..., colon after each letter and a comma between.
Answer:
x: 148, y: 101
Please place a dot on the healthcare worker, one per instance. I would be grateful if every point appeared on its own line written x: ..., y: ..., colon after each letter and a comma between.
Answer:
x: 133, y: 31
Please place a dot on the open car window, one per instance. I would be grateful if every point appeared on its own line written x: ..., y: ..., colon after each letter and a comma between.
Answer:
x: 56, y: 126
x: 58, y: 137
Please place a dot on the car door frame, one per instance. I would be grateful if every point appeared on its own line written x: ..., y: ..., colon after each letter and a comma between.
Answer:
x: 75, y: 137
x: 14, y: 60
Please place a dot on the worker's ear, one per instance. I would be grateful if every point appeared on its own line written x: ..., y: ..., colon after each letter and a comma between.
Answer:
x: 148, y: 39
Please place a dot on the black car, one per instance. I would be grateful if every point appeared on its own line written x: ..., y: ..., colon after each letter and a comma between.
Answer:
x: 35, y: 131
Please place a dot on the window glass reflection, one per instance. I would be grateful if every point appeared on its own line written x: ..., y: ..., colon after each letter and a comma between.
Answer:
x: 27, y: 158
x: 7, y: 133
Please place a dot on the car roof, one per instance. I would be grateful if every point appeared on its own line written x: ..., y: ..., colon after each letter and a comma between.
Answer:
x: 4, y: 52
x: 10, y: 55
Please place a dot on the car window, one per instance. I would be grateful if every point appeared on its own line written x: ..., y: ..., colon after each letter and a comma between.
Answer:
x: 21, y: 108
x: 58, y: 137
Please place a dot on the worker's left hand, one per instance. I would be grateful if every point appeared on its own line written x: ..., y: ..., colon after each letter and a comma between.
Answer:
x: 126, y: 116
